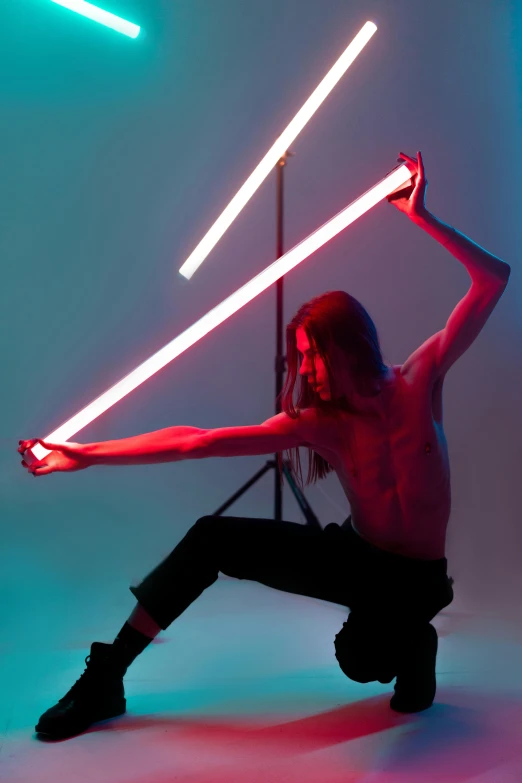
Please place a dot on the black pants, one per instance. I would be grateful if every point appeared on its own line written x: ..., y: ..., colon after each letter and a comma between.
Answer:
x: 392, y: 598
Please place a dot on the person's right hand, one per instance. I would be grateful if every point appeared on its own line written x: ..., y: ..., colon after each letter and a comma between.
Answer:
x: 412, y: 202
x: 63, y: 457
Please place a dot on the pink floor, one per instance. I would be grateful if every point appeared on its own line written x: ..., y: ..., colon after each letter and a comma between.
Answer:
x: 245, y: 687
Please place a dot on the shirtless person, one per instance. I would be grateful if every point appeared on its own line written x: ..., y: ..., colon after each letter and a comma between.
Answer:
x: 379, y: 427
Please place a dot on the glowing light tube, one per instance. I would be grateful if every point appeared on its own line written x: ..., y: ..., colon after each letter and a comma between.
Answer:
x: 277, y: 150
x: 98, y: 15
x: 393, y: 181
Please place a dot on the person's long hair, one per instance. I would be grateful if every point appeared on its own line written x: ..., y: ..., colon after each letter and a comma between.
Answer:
x: 334, y: 318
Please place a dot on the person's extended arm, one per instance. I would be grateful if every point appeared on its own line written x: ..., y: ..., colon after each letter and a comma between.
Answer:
x: 173, y: 444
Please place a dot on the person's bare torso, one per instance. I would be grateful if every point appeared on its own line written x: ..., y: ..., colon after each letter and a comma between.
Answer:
x: 394, y: 468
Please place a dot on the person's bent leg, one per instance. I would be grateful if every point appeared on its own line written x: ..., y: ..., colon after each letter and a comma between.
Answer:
x: 285, y: 556
x: 416, y: 683
x: 371, y: 649
x: 388, y: 633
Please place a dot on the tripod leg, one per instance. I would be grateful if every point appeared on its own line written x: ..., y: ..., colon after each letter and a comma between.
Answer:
x: 241, y: 491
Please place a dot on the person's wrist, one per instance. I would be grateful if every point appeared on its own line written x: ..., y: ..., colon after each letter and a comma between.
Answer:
x: 89, y: 454
x: 421, y: 217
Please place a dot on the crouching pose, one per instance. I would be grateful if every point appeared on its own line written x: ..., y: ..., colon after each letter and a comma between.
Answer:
x: 379, y: 427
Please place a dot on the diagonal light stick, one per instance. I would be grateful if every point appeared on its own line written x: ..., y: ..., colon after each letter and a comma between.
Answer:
x: 393, y: 181
x: 99, y: 15
x: 277, y: 150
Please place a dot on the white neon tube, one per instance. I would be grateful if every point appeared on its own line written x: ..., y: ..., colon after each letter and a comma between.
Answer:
x: 277, y: 150
x: 396, y: 179
x: 98, y: 15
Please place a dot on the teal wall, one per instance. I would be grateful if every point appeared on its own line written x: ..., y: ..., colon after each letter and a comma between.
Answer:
x: 115, y: 157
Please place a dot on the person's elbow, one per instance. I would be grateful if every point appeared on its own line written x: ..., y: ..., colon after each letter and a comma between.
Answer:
x: 197, y: 446
x: 227, y: 442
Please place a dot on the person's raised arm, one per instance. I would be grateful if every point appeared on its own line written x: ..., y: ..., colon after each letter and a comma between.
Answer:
x: 485, y: 269
x: 489, y: 277
x: 173, y: 444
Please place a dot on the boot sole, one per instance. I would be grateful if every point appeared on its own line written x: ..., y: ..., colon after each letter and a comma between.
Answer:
x: 50, y: 734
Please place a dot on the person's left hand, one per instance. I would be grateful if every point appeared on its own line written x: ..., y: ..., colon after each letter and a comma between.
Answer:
x: 413, y: 204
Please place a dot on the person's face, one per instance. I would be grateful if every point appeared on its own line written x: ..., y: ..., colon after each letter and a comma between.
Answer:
x: 312, y: 367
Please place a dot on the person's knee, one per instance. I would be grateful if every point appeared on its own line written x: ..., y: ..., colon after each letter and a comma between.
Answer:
x: 355, y: 665
x: 205, y: 522
x: 205, y: 532
x: 209, y: 526
x: 214, y: 534
x: 361, y: 658
x: 220, y: 529
x: 353, y: 668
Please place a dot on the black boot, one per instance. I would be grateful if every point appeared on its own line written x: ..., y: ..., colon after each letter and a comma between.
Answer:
x: 96, y: 696
x: 416, y: 685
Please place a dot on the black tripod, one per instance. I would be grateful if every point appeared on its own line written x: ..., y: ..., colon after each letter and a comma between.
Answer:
x: 280, y: 366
